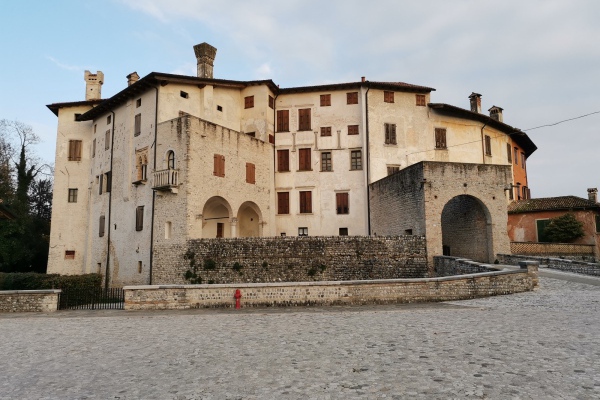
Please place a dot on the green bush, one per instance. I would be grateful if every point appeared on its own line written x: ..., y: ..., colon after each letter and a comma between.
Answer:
x: 34, y: 281
x: 564, y: 229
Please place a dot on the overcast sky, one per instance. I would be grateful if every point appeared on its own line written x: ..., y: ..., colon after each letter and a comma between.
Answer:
x: 539, y: 60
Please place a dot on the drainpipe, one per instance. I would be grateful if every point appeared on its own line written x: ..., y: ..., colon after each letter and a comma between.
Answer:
x: 483, y: 143
x: 112, y: 148
x: 367, y: 160
x: 153, y: 191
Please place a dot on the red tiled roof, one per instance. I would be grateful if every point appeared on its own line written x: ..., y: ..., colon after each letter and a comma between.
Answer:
x: 399, y: 86
x: 551, y: 204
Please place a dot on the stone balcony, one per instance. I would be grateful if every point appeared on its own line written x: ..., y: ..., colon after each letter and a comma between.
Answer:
x: 166, y: 180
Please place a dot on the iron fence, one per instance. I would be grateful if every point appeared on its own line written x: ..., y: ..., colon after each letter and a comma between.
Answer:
x: 91, y: 299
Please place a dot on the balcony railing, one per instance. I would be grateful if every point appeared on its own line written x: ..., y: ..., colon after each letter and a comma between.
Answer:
x: 166, y: 179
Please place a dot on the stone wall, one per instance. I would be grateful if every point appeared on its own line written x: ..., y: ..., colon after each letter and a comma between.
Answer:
x: 579, y: 267
x: 29, y: 300
x: 292, y: 259
x: 450, y: 266
x: 331, y: 293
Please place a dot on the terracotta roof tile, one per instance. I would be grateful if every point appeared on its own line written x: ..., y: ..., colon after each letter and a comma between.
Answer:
x: 551, y: 203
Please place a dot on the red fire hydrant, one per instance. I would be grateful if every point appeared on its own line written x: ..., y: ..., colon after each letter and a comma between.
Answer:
x: 237, y: 296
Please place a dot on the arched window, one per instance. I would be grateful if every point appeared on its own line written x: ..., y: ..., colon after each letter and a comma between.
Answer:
x: 171, y: 159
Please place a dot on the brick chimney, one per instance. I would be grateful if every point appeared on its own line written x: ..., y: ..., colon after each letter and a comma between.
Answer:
x: 132, y: 78
x: 205, y: 54
x: 593, y: 194
x: 475, y: 99
x: 93, y: 85
x: 496, y: 113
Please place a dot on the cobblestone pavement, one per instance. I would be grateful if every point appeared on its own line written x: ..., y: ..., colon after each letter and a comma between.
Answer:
x: 537, y: 345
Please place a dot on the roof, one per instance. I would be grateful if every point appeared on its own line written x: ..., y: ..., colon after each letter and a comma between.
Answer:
x: 395, y: 86
x: 552, y: 204
x: 516, y: 134
x: 54, y: 107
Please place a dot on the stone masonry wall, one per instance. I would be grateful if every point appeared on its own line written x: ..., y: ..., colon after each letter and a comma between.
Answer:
x: 579, y: 267
x: 450, y: 266
x: 331, y: 293
x: 292, y: 259
x: 29, y: 300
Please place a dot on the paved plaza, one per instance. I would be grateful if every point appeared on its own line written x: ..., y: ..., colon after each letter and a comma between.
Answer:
x: 537, y: 345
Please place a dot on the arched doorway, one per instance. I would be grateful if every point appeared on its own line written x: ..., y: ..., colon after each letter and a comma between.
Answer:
x: 467, y: 229
x: 249, y: 218
x: 216, y: 218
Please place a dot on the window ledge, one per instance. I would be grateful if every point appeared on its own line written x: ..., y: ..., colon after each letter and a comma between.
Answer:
x: 329, y: 170
x: 287, y: 170
x: 139, y: 182
x: 304, y: 170
x: 355, y: 169
x: 441, y: 149
x: 305, y: 130
x: 301, y: 213
x: 390, y: 145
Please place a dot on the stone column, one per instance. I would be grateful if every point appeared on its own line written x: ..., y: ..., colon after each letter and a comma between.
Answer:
x: 233, y: 224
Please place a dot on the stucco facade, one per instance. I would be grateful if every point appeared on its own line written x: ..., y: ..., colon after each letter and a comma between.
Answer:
x: 173, y: 158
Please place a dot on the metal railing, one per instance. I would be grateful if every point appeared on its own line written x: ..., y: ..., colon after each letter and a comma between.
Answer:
x: 91, y: 299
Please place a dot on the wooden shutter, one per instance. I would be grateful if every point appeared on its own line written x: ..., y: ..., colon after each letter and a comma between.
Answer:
x: 102, y: 223
x: 272, y: 139
x: 305, y: 164
x: 352, y: 98
x: 388, y: 97
x: 325, y: 100
x: 283, y: 203
x: 390, y: 133
x: 326, y: 131
x: 138, y: 125
x: 283, y: 160
x: 271, y: 102
x: 488, y: 146
x: 306, y: 202
x: 248, y: 101
x: 101, y: 183
x: 283, y: 120
x: 509, y: 152
x: 94, y: 148
x: 341, y: 200
x: 108, y: 181
x: 74, y: 150
x: 250, y: 173
x: 516, y: 156
x: 420, y: 98
x: 440, y: 138
x: 352, y: 129
x: 139, y: 218
x: 219, y: 165
x: 304, y: 119
x: 220, y: 229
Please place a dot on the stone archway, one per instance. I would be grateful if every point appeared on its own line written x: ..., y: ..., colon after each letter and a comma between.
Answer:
x: 249, y: 220
x: 467, y: 229
x: 216, y: 218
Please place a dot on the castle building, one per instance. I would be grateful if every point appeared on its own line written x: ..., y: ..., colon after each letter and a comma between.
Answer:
x: 172, y: 158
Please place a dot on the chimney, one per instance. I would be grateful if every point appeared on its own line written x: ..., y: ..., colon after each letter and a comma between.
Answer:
x: 132, y: 78
x: 593, y: 194
x: 496, y: 113
x: 363, y: 79
x: 93, y: 85
x: 205, y: 54
x: 475, y: 102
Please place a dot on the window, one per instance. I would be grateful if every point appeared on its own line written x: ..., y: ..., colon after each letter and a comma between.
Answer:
x: 488, y: 145
x: 408, y: 231
x: 304, y: 119
x: 271, y: 102
x: 304, y: 160
x: 141, y: 165
x: 107, y: 140
x: 597, y: 223
x: 355, y: 160
x: 100, y: 183
x: 352, y: 129
x: 94, y: 128
x: 303, y: 231
x: 74, y: 150
x: 138, y: 125
x: 220, y: 229
x: 138, y: 103
x: 420, y: 100
x: 248, y: 101
x: 440, y: 138
x: 523, y: 160
x: 326, y: 161
x: 250, y: 173
x: 219, y: 108
x: 390, y: 133
x: 283, y: 202
x: 76, y: 117
x: 253, y: 134
x: 283, y: 121
x: 509, y: 153
x: 183, y: 94
x: 388, y: 97
x: 69, y: 254
x: 511, y: 195
x: 168, y: 227
x: 352, y: 98
x: 541, y: 225
x: 283, y: 160
x: 392, y: 169
x: 108, y: 120
x: 72, y: 195
x: 101, y: 225
x: 342, y: 203
x: 219, y: 165
x: 516, y: 155
x: 94, y: 148
x: 325, y: 131
x: 343, y: 231
x: 171, y: 159
x: 325, y: 100
x: 108, y: 181
x: 271, y: 139
x: 305, y: 202
x: 139, y: 218
x: 139, y: 267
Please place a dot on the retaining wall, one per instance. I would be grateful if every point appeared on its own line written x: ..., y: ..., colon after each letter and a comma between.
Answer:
x: 449, y: 266
x: 579, y: 267
x: 291, y: 259
x: 333, y: 293
x: 29, y: 300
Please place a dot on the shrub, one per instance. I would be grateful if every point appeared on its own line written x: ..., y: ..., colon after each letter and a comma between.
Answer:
x: 564, y: 229
x: 35, y: 281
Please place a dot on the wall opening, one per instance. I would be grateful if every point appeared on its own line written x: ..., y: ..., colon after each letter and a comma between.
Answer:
x: 216, y: 211
x: 249, y: 219
x: 467, y: 229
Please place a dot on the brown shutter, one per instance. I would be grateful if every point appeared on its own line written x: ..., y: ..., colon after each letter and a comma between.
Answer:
x: 102, y: 223
x: 308, y: 202
x: 220, y: 229
x: 283, y: 160
x: 250, y: 173
x: 138, y: 125
x: 283, y: 203
x: 216, y: 165
x: 283, y: 120
x: 222, y: 166
x: 304, y: 119
x: 139, y: 218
